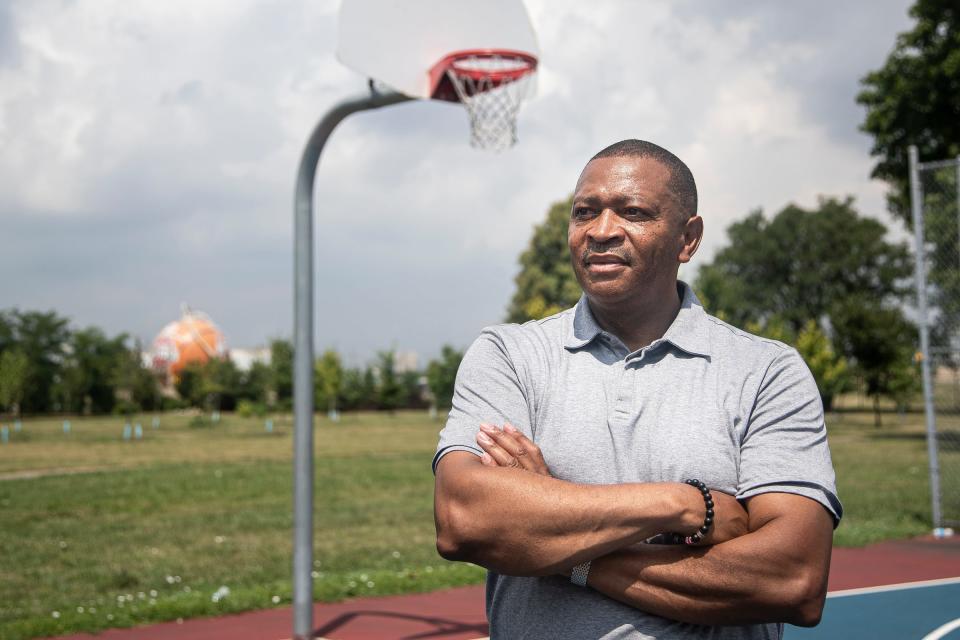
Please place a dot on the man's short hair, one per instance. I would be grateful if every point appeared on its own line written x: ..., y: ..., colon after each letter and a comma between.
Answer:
x: 681, y: 184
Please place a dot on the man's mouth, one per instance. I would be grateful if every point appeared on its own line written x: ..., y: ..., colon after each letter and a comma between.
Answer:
x: 604, y: 260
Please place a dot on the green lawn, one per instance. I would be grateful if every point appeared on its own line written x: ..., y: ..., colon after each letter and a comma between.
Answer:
x: 151, y: 530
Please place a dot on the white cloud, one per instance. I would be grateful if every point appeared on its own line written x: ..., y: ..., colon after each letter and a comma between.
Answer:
x: 164, y: 137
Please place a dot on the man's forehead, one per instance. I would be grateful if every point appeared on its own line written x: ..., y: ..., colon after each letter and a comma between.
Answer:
x: 624, y: 175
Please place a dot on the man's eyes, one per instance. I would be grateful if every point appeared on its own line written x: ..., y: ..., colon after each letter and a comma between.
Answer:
x: 581, y: 213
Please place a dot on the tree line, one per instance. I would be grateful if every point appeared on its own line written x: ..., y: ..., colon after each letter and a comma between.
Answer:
x: 48, y: 367
x: 377, y: 386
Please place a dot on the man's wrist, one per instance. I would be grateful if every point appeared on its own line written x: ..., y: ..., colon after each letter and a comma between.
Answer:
x: 690, y: 508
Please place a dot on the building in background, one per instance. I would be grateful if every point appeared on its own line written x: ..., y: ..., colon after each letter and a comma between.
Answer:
x: 192, y: 338
x: 245, y: 358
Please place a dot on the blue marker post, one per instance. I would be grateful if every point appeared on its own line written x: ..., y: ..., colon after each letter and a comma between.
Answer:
x: 268, y: 425
x: 4, y: 434
x: 66, y: 427
x: 138, y: 431
x: 127, y: 431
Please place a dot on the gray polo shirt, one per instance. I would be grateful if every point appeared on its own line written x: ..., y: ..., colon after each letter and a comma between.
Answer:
x: 708, y: 401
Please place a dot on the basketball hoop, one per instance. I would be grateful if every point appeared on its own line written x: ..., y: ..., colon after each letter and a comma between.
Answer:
x: 491, y: 84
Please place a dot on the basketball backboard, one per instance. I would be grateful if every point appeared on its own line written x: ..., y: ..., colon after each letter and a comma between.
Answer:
x: 398, y: 42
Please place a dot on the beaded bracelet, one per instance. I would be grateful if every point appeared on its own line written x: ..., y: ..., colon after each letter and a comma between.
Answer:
x: 708, y: 519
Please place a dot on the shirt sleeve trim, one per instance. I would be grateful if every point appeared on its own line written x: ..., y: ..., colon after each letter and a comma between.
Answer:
x: 811, y: 490
x: 453, y: 447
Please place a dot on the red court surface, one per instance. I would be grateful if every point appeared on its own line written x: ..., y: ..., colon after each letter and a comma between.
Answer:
x: 458, y: 614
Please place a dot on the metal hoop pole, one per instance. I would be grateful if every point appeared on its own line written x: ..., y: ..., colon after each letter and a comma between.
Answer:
x: 916, y: 202
x: 303, y: 352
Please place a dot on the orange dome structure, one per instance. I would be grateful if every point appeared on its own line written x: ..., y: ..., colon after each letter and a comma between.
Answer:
x: 192, y: 338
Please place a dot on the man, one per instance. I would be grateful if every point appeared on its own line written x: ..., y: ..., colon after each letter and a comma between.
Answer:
x: 571, y: 438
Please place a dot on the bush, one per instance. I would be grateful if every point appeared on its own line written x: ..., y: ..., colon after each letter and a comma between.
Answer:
x: 249, y: 409
x: 200, y: 421
x: 173, y: 404
x: 125, y: 408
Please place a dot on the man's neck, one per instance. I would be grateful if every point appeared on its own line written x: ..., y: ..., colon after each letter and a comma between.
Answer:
x: 643, y: 320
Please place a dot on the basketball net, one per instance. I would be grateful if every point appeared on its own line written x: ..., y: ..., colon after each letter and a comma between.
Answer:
x: 492, y: 87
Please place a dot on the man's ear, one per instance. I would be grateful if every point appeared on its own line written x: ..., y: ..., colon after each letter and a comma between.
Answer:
x: 692, y: 234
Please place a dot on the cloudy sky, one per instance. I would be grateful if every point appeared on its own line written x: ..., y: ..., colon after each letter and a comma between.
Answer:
x: 149, y: 151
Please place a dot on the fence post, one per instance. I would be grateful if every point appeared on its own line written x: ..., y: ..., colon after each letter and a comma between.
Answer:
x: 916, y: 205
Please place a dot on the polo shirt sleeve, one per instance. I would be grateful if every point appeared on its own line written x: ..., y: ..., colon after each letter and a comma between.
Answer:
x: 784, y: 448
x: 487, y: 389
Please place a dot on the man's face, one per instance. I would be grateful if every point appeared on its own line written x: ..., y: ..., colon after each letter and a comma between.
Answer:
x: 626, y: 233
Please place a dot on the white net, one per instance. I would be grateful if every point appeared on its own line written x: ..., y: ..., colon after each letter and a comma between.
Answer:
x: 489, y: 89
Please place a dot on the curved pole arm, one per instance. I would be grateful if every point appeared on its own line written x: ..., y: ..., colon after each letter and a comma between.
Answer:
x: 303, y: 351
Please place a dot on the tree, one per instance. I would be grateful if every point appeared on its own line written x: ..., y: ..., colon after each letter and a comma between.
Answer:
x: 913, y: 98
x: 41, y: 337
x: 87, y: 382
x: 190, y: 384
x: 442, y: 374
x: 135, y: 383
x: 220, y: 380
x: 546, y: 283
x: 800, y: 263
x: 828, y: 367
x: 8, y: 330
x: 359, y: 390
x: 281, y: 364
x: 255, y: 384
x: 14, y: 373
x: 328, y: 381
x: 390, y: 393
x: 412, y: 390
x: 881, y: 343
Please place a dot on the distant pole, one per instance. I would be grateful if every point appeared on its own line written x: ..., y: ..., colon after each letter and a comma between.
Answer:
x: 916, y: 205
x: 303, y: 352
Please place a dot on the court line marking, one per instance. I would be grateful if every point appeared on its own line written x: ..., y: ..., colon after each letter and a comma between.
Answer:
x: 893, y: 587
x: 942, y: 630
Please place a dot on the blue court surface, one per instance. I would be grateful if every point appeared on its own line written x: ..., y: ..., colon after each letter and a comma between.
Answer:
x: 927, y: 610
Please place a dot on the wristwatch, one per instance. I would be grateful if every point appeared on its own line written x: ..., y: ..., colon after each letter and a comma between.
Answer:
x: 578, y: 575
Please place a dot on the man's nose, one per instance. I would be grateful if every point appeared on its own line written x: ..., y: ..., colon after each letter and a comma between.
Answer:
x: 606, y: 227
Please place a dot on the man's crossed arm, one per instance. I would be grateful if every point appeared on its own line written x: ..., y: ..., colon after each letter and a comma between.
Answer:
x: 505, y: 512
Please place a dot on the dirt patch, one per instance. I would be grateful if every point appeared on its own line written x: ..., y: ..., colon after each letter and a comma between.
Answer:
x: 27, y: 474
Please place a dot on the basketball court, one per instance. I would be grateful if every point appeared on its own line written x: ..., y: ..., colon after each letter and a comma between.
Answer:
x: 900, y: 590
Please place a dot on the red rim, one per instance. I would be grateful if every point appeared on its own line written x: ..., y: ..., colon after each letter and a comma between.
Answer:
x: 441, y: 88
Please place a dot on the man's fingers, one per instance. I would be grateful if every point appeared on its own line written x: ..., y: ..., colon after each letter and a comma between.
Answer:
x: 508, y: 447
x: 530, y: 450
x: 501, y: 456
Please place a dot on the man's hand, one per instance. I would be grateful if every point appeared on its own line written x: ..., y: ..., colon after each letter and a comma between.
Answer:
x: 731, y: 521
x: 509, y: 447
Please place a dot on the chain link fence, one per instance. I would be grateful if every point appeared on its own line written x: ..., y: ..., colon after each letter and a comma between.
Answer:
x: 935, y: 196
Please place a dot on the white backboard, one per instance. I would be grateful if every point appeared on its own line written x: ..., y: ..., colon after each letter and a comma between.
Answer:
x: 397, y: 41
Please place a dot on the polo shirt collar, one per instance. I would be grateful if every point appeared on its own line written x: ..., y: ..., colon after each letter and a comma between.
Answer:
x: 583, y: 327
x: 686, y: 333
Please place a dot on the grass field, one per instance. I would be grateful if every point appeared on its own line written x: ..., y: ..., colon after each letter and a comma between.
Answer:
x: 195, y: 519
